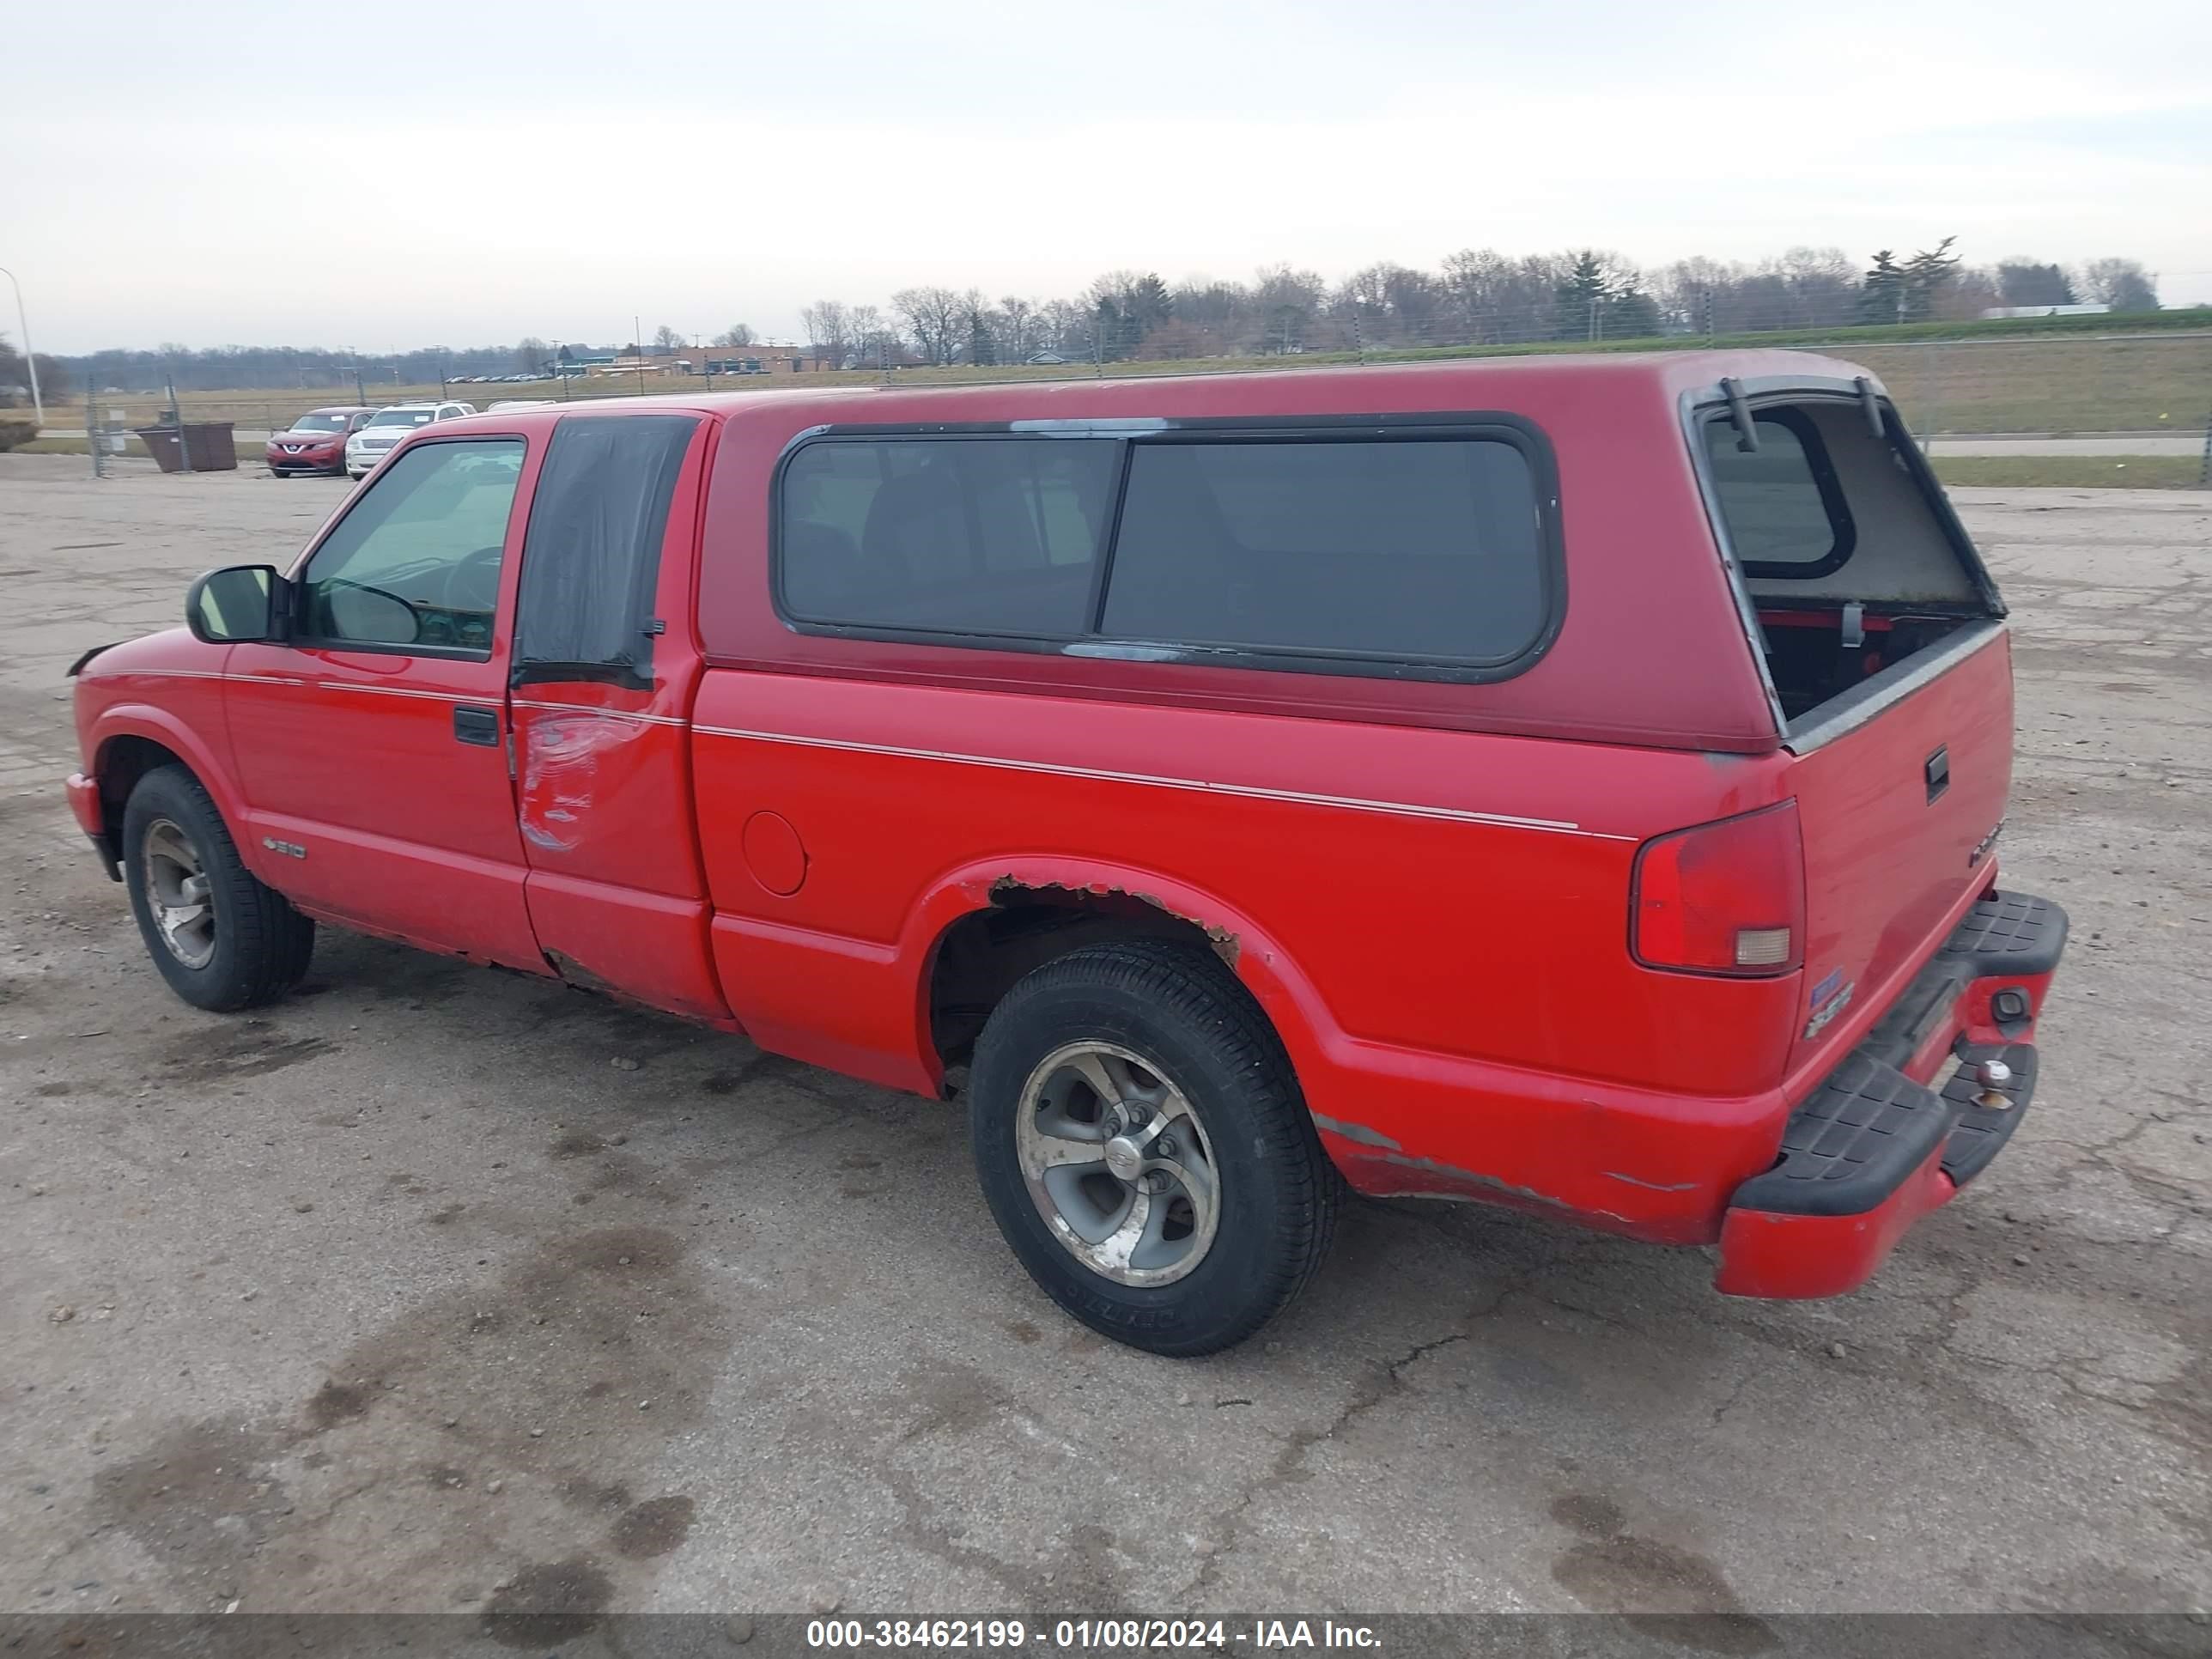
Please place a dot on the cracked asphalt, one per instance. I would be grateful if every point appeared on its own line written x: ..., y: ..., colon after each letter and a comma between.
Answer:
x: 406, y: 1294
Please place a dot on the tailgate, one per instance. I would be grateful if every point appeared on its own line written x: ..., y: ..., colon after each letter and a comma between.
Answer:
x: 1898, y: 816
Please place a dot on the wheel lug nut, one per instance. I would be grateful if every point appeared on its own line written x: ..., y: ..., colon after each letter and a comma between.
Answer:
x: 1167, y: 1146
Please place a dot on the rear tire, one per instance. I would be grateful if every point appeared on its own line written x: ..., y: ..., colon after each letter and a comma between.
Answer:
x: 1194, y: 1114
x: 223, y: 939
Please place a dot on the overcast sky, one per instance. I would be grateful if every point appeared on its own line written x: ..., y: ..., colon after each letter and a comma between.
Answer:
x: 388, y: 173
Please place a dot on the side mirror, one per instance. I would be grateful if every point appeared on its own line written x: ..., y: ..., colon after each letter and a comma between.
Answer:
x: 235, y: 604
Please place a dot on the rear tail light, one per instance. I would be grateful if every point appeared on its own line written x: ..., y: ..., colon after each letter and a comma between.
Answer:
x: 1724, y: 898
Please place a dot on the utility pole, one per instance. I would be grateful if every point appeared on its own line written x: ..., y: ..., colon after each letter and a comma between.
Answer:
x: 30, y: 358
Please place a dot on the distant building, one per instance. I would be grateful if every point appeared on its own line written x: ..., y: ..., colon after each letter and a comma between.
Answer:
x: 753, y: 360
x: 2043, y: 311
x: 701, y: 360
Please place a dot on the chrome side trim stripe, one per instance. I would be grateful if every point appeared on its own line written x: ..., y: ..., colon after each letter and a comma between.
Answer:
x: 633, y: 716
x: 1254, y: 792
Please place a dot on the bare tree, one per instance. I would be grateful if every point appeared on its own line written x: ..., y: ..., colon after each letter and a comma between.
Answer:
x: 1174, y: 340
x: 829, y: 324
x: 1396, y: 305
x: 1066, y: 328
x: 531, y: 354
x: 1822, y: 284
x: 874, y: 337
x: 2122, y: 284
x: 934, y: 316
x: 1969, y: 292
x: 1502, y: 301
x: 1805, y: 288
x: 1019, y: 329
x: 977, y: 327
x: 737, y: 334
x: 666, y: 341
x: 1223, y: 312
x: 1288, y: 303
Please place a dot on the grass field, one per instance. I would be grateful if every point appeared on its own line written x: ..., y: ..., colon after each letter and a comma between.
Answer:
x: 2145, y: 383
x: 2072, y: 472
x: 2059, y: 383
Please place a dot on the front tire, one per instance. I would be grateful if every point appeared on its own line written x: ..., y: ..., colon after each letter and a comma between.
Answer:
x: 1143, y: 1144
x: 223, y: 939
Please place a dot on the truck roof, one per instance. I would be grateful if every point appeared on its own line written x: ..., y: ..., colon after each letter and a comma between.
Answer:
x: 1458, y: 383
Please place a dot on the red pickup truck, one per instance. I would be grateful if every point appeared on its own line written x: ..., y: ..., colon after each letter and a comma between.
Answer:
x: 1564, y: 783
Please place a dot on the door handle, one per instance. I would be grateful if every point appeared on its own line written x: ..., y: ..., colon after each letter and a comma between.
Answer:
x: 478, y: 726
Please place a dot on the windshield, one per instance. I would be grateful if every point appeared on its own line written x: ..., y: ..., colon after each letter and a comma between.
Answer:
x: 400, y: 417
x: 320, y: 424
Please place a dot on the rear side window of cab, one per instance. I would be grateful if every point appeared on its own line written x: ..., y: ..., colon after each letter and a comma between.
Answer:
x: 1424, y: 549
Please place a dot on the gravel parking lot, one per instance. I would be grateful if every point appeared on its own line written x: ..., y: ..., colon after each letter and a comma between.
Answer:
x: 434, y: 1288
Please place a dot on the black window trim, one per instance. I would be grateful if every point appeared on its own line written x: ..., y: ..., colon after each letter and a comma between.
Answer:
x: 1842, y: 526
x: 446, y: 653
x: 1487, y: 425
x: 547, y: 670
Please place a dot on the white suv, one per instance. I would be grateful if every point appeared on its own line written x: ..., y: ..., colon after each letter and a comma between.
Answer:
x: 388, y: 426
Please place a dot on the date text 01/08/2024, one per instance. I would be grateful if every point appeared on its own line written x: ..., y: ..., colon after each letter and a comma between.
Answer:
x: 1125, y: 1634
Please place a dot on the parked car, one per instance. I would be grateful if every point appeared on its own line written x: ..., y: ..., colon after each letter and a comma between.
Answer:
x: 383, y: 430
x: 1572, y: 784
x: 316, y: 441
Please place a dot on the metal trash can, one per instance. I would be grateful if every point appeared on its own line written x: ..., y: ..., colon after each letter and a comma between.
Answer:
x: 207, y: 445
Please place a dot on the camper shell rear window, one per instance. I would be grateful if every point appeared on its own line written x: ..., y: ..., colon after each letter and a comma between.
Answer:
x: 1847, y: 558
x: 1786, y: 512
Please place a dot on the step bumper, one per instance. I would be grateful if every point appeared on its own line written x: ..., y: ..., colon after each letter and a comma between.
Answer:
x: 1872, y: 1150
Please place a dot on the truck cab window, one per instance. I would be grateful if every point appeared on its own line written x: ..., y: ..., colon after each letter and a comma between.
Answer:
x: 591, y: 553
x: 416, y: 563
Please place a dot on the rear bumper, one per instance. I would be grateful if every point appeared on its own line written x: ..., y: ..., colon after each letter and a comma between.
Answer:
x: 1875, y: 1147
